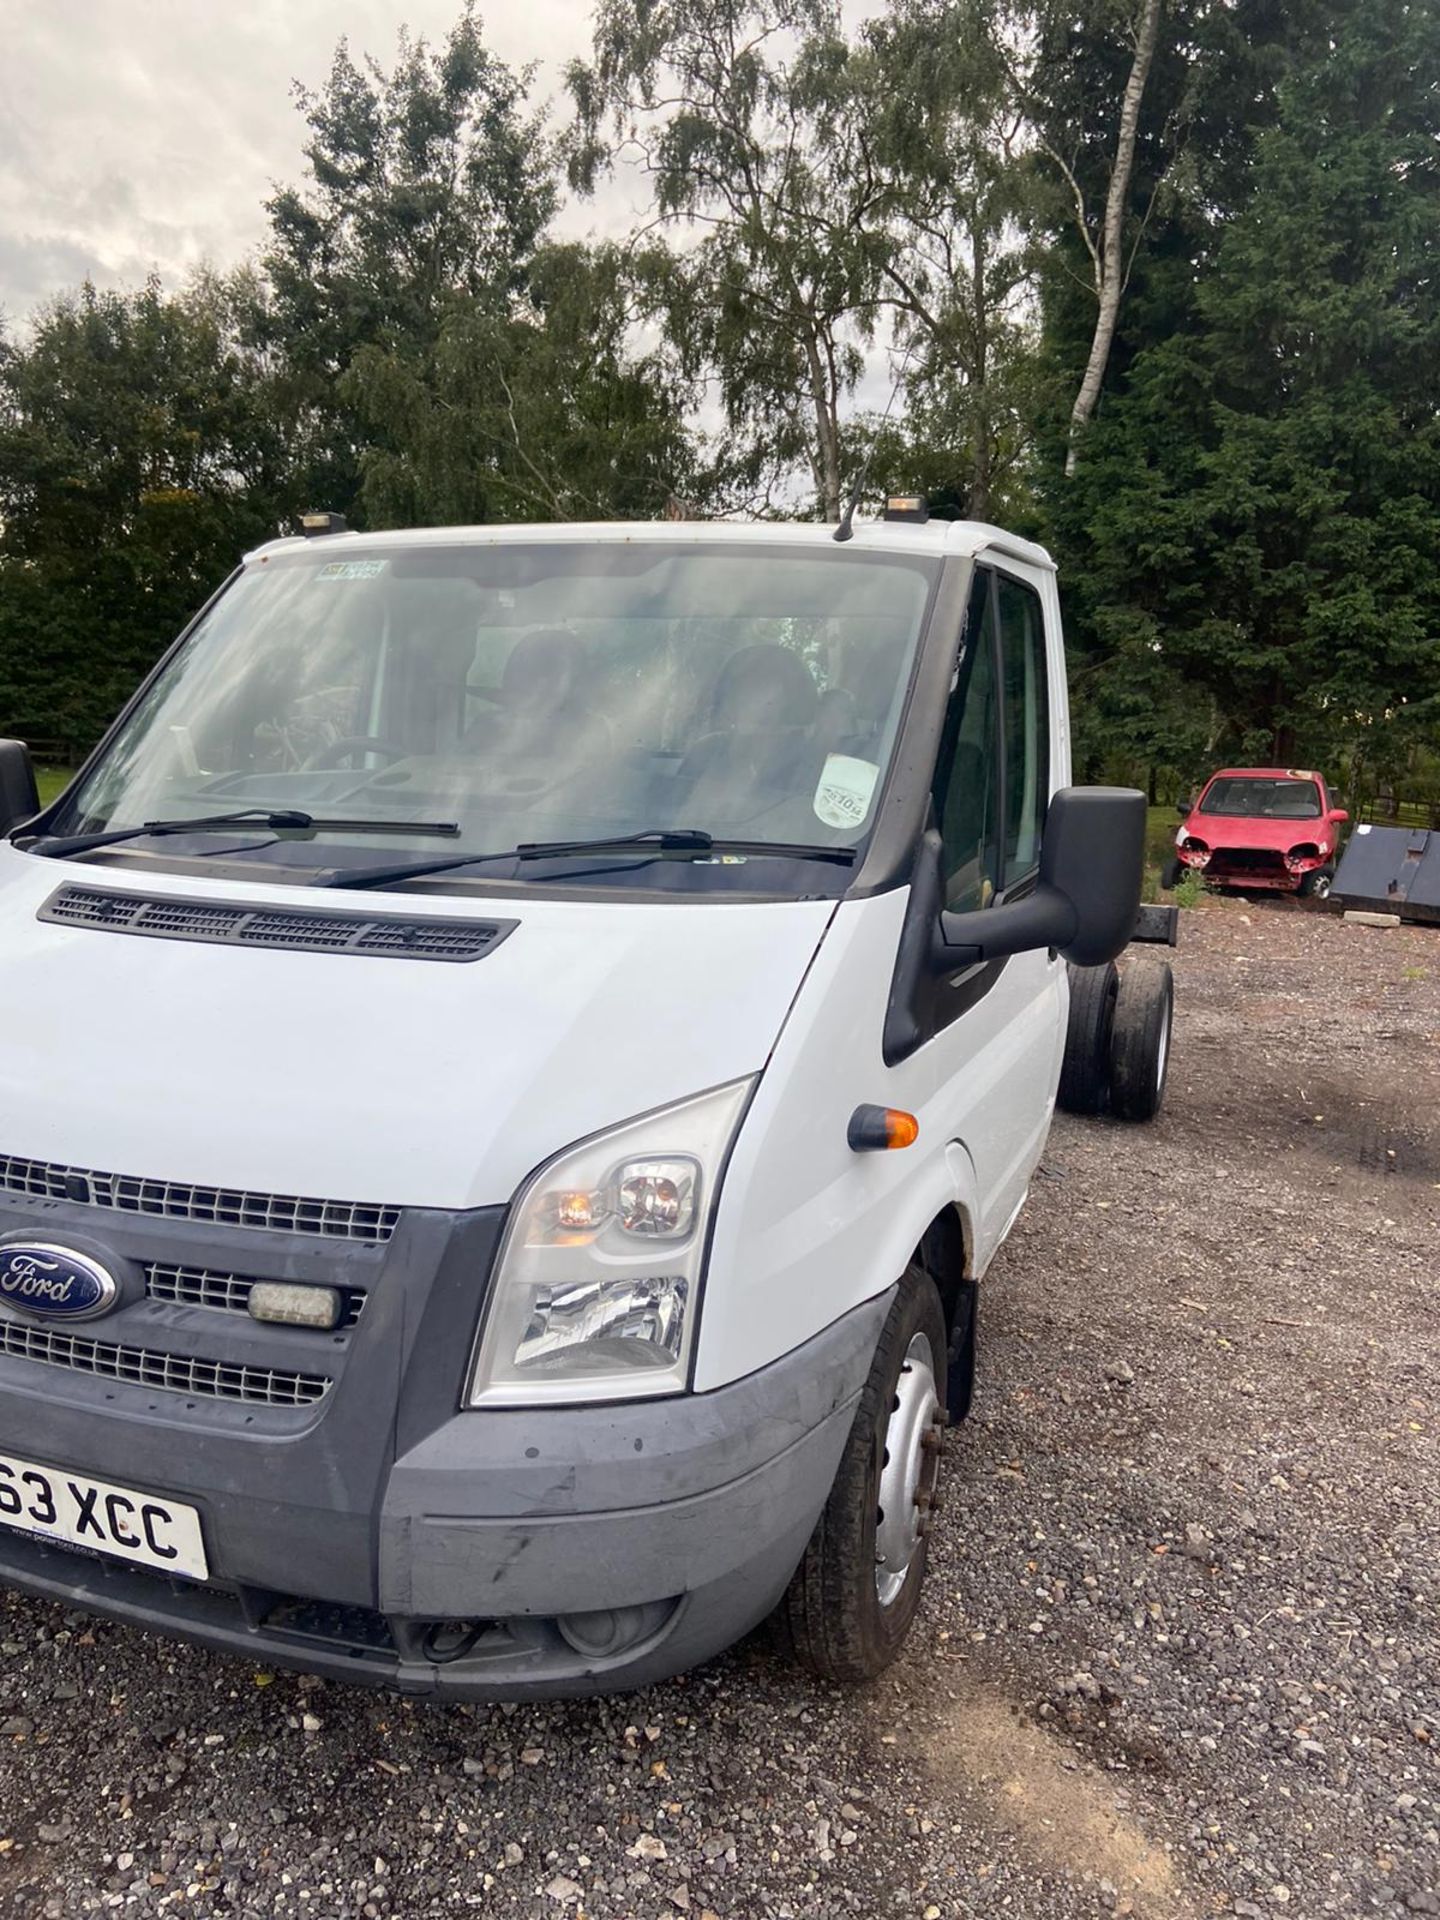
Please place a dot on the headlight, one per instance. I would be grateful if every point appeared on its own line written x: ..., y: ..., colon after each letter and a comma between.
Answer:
x: 1195, y: 853
x: 597, y: 1284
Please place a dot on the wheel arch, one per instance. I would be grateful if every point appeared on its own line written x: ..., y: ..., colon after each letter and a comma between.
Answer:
x: 946, y: 1251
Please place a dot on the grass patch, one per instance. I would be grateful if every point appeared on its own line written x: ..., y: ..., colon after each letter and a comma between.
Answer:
x: 1160, y: 826
x: 51, y: 781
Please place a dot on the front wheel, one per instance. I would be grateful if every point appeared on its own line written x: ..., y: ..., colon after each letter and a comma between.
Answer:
x: 855, y: 1592
x: 1316, y: 884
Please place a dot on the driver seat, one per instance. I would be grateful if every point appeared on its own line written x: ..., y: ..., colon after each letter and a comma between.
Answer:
x: 761, y: 710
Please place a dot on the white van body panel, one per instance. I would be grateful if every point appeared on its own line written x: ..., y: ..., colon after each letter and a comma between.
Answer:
x: 391, y: 1082
x: 807, y: 1228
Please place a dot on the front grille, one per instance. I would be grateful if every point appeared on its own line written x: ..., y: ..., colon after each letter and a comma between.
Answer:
x: 170, y: 1372
x: 199, y: 1287
x: 179, y: 1200
x: 293, y: 930
x: 1249, y: 859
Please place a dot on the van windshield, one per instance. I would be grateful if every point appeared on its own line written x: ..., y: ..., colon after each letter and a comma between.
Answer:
x: 529, y: 692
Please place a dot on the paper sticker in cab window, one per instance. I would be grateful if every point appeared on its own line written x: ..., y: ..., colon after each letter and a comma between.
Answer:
x: 352, y: 569
x: 842, y: 799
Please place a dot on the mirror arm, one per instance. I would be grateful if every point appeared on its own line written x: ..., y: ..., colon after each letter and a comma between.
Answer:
x: 1045, y: 918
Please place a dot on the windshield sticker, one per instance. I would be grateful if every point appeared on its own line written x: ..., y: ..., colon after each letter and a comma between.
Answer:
x: 352, y: 570
x: 843, y: 796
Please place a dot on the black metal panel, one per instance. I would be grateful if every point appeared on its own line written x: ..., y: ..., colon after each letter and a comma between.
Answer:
x: 1391, y: 870
x: 1158, y: 923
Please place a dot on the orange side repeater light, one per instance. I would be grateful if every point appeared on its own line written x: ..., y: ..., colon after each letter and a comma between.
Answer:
x: 881, y: 1129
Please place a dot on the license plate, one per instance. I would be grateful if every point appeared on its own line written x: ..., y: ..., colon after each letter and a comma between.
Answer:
x: 141, y: 1527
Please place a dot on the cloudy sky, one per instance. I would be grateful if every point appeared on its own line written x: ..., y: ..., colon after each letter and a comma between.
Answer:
x: 140, y: 134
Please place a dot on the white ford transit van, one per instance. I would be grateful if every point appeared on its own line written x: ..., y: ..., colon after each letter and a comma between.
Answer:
x: 520, y: 1047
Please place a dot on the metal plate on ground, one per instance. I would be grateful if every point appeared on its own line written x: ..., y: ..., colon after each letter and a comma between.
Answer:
x: 1391, y: 870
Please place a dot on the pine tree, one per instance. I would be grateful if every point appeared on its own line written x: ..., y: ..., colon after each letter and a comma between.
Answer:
x: 1259, y: 505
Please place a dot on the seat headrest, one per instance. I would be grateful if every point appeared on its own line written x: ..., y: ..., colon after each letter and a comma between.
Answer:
x: 763, y: 687
x: 542, y: 669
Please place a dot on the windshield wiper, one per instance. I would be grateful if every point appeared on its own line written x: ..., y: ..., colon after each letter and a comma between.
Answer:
x: 278, y: 819
x: 659, y: 840
x: 685, y: 839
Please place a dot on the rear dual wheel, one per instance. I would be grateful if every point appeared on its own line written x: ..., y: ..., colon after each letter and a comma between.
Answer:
x: 1140, y: 1039
x: 855, y: 1592
x: 1117, y: 1040
x: 1085, y: 1068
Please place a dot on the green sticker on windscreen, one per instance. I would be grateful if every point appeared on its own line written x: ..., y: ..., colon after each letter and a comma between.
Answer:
x: 352, y: 570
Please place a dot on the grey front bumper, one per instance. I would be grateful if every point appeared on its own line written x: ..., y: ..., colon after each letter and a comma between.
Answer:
x: 575, y: 1550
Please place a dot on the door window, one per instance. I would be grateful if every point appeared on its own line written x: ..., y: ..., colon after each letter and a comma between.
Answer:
x: 966, y: 789
x: 1025, y: 718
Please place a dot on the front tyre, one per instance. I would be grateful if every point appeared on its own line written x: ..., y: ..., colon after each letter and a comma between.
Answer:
x: 854, y: 1594
x: 1317, y: 883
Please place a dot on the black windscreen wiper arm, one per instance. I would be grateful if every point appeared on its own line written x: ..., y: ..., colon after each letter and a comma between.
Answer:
x: 681, y: 839
x: 276, y: 818
x: 659, y: 841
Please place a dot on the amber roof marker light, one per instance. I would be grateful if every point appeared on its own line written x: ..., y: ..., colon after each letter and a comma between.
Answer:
x: 911, y: 507
x: 881, y: 1130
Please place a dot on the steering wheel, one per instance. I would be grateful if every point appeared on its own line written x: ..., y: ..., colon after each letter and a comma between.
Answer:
x: 337, y: 750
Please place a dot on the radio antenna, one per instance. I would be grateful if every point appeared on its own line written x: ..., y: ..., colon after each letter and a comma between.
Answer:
x: 845, y: 529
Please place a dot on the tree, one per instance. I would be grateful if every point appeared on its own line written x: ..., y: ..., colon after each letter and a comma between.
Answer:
x: 140, y: 454
x: 549, y: 414
x: 1107, y: 247
x: 1261, y: 501
x: 950, y: 187
x: 1079, y: 80
x: 732, y: 109
x: 428, y: 186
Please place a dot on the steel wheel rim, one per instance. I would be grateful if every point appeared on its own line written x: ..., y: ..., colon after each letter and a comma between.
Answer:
x: 1163, y: 1058
x: 908, y: 1470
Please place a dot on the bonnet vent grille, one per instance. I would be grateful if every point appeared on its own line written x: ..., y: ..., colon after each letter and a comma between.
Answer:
x: 179, y: 1200
x: 388, y: 936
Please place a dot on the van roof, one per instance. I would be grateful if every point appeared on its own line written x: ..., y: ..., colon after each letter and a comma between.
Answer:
x: 883, y: 536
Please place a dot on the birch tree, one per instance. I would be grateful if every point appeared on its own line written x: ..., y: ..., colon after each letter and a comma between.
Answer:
x: 943, y: 131
x: 728, y: 107
x: 1107, y: 250
x: 1089, y: 142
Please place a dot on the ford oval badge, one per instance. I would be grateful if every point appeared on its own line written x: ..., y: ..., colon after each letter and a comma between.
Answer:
x: 53, y: 1283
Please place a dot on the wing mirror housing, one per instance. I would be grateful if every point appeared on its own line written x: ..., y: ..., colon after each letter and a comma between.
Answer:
x: 1339, y: 815
x: 19, y: 795
x: 1092, y: 866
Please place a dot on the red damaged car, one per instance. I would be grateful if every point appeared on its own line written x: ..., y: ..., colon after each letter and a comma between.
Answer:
x: 1254, y: 827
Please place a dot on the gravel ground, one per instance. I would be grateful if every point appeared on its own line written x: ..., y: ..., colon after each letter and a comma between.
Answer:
x: 1179, y: 1654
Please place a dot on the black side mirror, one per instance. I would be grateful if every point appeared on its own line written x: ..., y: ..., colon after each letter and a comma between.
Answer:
x: 1184, y: 808
x: 19, y: 796
x: 1092, y: 866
